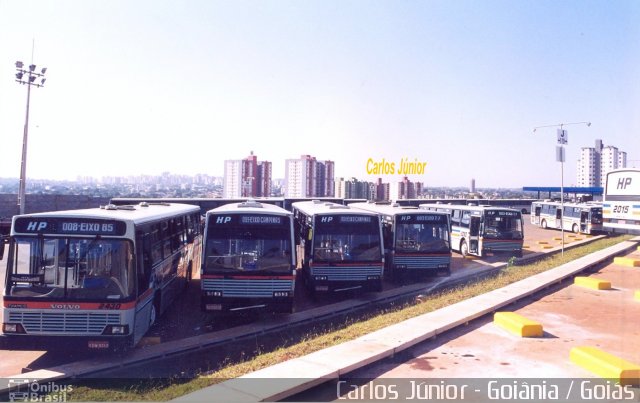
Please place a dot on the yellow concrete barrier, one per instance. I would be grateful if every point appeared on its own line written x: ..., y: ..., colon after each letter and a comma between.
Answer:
x: 592, y: 282
x: 627, y: 261
x: 542, y: 242
x: 606, y: 365
x: 557, y: 238
x: 518, y: 324
x: 547, y: 246
x: 637, y: 295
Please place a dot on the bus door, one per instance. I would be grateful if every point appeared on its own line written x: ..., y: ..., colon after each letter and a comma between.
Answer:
x: 584, y: 221
x: 474, y: 231
x: 536, y: 215
x: 558, y: 217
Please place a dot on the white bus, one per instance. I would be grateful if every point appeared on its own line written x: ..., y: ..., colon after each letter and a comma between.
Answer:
x: 340, y: 247
x: 583, y: 218
x: 416, y: 242
x: 249, y: 258
x: 97, y: 277
x: 478, y: 230
x: 621, y: 204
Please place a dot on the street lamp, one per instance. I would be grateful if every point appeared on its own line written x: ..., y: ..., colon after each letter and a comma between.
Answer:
x: 562, y: 140
x: 27, y: 77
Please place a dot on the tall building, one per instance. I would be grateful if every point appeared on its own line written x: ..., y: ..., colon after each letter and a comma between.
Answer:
x: 247, y: 178
x: 308, y: 177
x: 595, y: 162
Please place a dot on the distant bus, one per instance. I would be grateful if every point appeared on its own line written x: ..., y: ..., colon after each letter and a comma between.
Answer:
x: 478, y: 230
x: 621, y: 204
x: 249, y: 258
x: 416, y: 242
x: 99, y: 277
x: 340, y: 247
x: 585, y: 218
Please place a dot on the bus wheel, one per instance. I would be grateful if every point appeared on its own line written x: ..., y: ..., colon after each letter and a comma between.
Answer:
x: 543, y: 224
x: 153, y: 315
x: 575, y: 228
x: 464, y: 250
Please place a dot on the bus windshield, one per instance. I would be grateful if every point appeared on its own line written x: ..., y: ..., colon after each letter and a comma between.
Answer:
x: 596, y: 216
x: 249, y: 248
x: 71, y: 268
x: 503, y: 225
x: 422, y: 238
x: 347, y: 239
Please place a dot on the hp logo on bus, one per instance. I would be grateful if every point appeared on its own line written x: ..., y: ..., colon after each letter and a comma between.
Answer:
x: 223, y: 220
x: 326, y: 219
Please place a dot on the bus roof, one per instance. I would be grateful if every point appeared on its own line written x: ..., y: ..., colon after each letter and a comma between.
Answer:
x: 251, y: 207
x: 468, y: 208
x: 590, y: 204
x: 137, y: 214
x: 312, y: 207
x: 393, y: 209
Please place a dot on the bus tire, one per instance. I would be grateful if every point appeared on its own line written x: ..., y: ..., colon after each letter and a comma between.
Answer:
x: 464, y: 249
x: 575, y: 228
x: 543, y: 224
x: 155, y: 311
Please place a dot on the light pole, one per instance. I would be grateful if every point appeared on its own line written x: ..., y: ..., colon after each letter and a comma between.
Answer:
x: 29, y: 81
x: 562, y: 140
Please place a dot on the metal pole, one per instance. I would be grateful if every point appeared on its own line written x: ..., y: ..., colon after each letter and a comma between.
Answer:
x: 562, y: 198
x: 23, y: 165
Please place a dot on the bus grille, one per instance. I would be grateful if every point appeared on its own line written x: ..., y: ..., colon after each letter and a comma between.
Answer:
x: 247, y: 288
x: 64, y: 323
x: 502, y: 245
x: 347, y: 273
x: 421, y: 262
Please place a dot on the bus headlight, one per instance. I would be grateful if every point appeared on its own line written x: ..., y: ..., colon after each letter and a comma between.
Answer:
x: 373, y: 277
x: 12, y: 328
x: 321, y: 278
x: 214, y: 293
x: 443, y: 266
x: 116, y: 330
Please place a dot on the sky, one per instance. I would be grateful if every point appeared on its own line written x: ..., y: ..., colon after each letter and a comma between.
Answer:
x: 152, y: 86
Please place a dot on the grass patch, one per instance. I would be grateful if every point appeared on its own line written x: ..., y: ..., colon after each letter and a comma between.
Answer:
x: 162, y: 390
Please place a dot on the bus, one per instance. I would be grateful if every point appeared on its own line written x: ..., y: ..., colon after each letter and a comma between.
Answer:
x: 249, y: 260
x: 621, y: 201
x: 339, y: 247
x: 583, y: 218
x: 98, y: 277
x: 478, y: 230
x: 416, y: 242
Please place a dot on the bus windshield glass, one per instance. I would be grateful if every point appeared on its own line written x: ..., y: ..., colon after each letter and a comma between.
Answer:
x: 596, y: 216
x: 420, y: 238
x: 503, y: 224
x: 71, y: 269
x: 345, y: 238
x: 248, y: 244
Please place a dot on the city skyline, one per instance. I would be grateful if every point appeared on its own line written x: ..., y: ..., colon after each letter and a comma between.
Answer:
x: 456, y: 88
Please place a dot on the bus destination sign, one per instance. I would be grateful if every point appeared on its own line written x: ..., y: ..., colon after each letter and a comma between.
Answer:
x: 69, y: 226
x: 502, y: 213
x: 422, y: 218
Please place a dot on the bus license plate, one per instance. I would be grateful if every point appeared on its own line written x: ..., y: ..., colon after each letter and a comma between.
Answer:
x: 99, y: 344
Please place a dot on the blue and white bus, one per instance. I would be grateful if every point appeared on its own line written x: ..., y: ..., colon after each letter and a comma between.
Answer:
x: 340, y: 247
x: 96, y: 277
x: 249, y: 259
x: 416, y: 242
x: 478, y: 230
